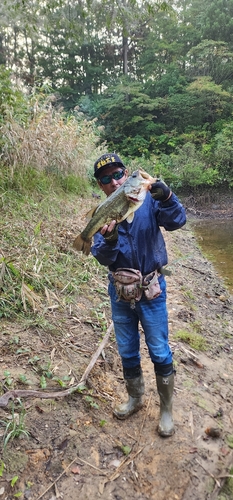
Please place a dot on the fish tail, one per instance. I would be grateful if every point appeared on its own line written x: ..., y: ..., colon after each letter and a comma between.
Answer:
x: 82, y: 245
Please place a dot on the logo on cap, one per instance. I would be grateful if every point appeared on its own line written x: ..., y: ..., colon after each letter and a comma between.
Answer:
x: 105, y: 161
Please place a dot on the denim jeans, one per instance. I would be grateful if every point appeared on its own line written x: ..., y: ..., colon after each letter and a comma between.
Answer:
x: 153, y: 317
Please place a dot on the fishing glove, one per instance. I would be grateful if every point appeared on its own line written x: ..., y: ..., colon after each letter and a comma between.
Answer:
x: 111, y: 236
x: 160, y: 191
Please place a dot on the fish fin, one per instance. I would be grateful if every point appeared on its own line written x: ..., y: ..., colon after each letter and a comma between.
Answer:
x: 130, y: 218
x: 90, y: 213
x: 82, y: 245
x: 147, y: 176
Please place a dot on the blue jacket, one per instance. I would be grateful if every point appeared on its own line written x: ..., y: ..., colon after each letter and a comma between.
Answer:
x: 141, y: 245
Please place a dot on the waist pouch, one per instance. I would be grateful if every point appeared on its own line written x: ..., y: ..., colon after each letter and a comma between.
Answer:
x: 130, y: 285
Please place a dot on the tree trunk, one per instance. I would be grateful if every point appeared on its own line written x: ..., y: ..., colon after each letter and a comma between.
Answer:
x: 125, y: 55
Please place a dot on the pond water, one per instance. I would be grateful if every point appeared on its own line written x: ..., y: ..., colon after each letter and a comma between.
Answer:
x: 215, y: 238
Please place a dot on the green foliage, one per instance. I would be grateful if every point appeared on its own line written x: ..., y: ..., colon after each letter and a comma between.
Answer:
x: 8, y: 380
x: 126, y: 450
x: 213, y: 59
x: 74, y: 184
x: 14, y: 480
x: 23, y: 379
x: 155, y: 79
x: 195, y: 340
x: 91, y: 402
x: 227, y: 489
x: 2, y: 467
x: 37, y: 263
x: 229, y: 440
x: 188, y: 168
x: 216, y: 20
x: 43, y: 383
x: 12, y: 100
x: 28, y: 181
x: 102, y: 423
x: 16, y: 426
x: 212, y: 99
x: 223, y: 153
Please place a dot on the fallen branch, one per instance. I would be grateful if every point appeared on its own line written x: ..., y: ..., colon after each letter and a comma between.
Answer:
x: 222, y: 478
x: 194, y: 269
x: 96, y: 354
x: 23, y: 393
x: 191, y: 422
x: 126, y: 460
x: 115, y: 475
x: 90, y: 465
x: 143, y: 422
x: 56, y: 480
x: 225, y: 476
x: 191, y: 356
x: 211, y: 475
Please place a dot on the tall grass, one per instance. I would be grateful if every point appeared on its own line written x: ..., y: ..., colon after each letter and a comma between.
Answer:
x: 46, y: 158
x: 49, y: 141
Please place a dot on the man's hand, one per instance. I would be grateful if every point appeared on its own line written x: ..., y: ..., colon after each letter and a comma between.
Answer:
x: 110, y: 232
x: 160, y: 191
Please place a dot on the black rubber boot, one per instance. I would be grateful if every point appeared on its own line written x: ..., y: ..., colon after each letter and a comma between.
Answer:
x: 135, y: 388
x: 165, y: 386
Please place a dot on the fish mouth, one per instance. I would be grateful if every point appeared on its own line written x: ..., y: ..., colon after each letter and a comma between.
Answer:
x: 134, y: 200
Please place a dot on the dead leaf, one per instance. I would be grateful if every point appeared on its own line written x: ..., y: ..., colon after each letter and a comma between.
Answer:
x: 213, y: 432
x: 197, y: 363
x: 114, y: 463
x: 95, y: 456
x: 63, y: 444
x: 223, y: 298
x: 72, y: 381
x: 33, y: 298
x: 39, y: 409
x: 58, y: 495
x: 75, y: 469
x: 52, y: 353
x: 224, y: 451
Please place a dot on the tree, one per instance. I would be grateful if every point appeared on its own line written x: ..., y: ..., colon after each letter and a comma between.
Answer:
x: 211, y: 58
x: 216, y: 21
x: 223, y: 153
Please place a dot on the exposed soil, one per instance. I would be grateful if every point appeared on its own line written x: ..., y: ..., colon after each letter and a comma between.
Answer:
x: 75, y: 449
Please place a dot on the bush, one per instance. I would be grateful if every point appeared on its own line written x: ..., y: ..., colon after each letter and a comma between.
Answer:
x: 188, y: 168
x: 12, y: 100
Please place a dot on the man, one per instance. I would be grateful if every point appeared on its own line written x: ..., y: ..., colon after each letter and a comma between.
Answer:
x: 140, y: 245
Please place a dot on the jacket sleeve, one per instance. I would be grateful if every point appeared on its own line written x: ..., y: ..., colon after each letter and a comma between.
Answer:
x: 171, y: 214
x: 106, y: 253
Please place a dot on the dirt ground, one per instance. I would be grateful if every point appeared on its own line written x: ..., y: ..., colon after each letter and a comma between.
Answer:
x: 76, y: 449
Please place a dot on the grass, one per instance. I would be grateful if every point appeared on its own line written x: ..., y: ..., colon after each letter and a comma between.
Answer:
x: 38, y: 268
x: 227, y: 490
x: 195, y: 340
x: 16, y: 427
x: 188, y: 294
x: 43, y: 281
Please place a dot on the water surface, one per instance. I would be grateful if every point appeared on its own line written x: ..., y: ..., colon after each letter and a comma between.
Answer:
x: 215, y: 238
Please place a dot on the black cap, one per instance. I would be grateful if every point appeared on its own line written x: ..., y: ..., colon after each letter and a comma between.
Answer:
x: 107, y: 160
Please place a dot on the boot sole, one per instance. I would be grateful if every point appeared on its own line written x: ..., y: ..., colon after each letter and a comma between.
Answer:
x: 166, y: 434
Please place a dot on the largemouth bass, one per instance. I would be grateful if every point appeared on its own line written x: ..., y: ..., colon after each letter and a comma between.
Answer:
x: 120, y: 205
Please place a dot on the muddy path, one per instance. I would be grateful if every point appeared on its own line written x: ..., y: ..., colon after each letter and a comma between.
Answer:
x: 75, y: 448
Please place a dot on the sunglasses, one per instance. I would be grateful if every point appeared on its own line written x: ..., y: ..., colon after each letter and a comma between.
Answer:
x: 106, y: 179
